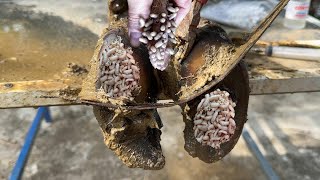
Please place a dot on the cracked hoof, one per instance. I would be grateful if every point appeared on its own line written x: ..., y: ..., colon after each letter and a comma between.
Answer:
x: 134, y: 136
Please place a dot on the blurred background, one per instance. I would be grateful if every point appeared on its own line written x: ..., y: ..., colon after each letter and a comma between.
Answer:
x: 285, y: 127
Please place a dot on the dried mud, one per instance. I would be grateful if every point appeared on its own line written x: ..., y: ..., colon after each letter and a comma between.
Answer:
x: 40, y: 46
x: 210, y: 58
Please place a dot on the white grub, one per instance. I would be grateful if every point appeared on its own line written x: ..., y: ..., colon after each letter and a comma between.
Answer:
x: 173, y: 41
x: 147, y: 28
x: 171, y: 35
x: 162, y: 20
x: 171, y: 9
x: 170, y: 51
x: 113, y: 58
x: 103, y: 78
x: 118, y: 76
x: 214, y: 119
x: 172, y: 16
x: 154, y: 16
x: 153, y: 34
x: 142, y: 22
x: 168, y: 24
x: 123, y: 56
x: 160, y: 39
x: 163, y: 28
x: 143, y: 40
x: 153, y: 49
x: 149, y: 37
x: 148, y: 23
x: 173, y: 24
x: 110, y: 52
x: 158, y: 36
x: 158, y: 44
x: 144, y: 34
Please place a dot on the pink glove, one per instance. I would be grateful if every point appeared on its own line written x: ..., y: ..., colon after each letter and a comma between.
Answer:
x: 141, y: 8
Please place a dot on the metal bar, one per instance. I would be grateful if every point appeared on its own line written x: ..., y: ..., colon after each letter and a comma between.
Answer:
x: 47, y: 115
x: 267, y: 168
x: 24, y: 153
x: 280, y: 86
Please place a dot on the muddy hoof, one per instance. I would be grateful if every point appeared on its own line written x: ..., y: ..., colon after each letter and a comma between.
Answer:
x: 213, y: 126
x: 119, y: 74
x: 134, y: 136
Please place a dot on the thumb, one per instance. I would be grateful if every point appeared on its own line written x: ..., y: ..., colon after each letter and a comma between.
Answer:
x: 137, y: 10
x: 184, y: 8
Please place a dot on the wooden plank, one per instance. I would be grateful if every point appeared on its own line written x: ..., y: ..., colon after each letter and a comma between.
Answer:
x: 38, y: 93
x: 50, y: 93
x: 277, y: 86
x: 23, y: 64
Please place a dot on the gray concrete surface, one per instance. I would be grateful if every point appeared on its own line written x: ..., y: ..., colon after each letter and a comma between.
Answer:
x: 284, y: 126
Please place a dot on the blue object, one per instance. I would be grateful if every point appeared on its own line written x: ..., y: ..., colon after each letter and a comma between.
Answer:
x: 267, y: 168
x: 43, y: 112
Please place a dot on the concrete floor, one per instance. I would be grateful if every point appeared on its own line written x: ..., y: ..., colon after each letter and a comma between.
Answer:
x: 284, y: 126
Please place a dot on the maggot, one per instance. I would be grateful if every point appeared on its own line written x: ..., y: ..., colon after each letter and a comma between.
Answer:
x: 123, y: 56
x: 142, y: 22
x: 110, y: 52
x: 134, y: 68
x: 172, y: 16
x: 224, y: 123
x: 153, y: 49
x: 154, y: 16
x: 214, y: 104
x: 129, y: 71
x: 148, y: 24
x: 158, y: 36
x: 111, y: 82
x: 163, y: 28
x: 153, y: 34
x: 117, y: 68
x: 104, y: 78
x: 113, y: 58
x: 197, y: 122
x: 170, y: 51
x: 158, y: 44
x: 171, y: 9
x: 162, y: 20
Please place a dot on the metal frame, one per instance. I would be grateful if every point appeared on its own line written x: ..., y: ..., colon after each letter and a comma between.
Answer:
x: 42, y: 113
x: 265, y: 165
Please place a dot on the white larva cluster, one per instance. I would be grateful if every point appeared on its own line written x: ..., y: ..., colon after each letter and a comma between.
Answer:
x: 214, y: 121
x: 158, y: 40
x: 119, y: 73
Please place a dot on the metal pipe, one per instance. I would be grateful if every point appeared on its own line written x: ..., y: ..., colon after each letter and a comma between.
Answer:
x: 267, y: 168
x: 43, y: 112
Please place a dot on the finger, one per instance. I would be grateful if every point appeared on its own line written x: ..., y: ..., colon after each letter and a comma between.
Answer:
x: 184, y: 8
x: 137, y: 10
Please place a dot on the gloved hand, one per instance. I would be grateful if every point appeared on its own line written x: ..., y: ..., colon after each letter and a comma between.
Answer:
x: 142, y: 9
